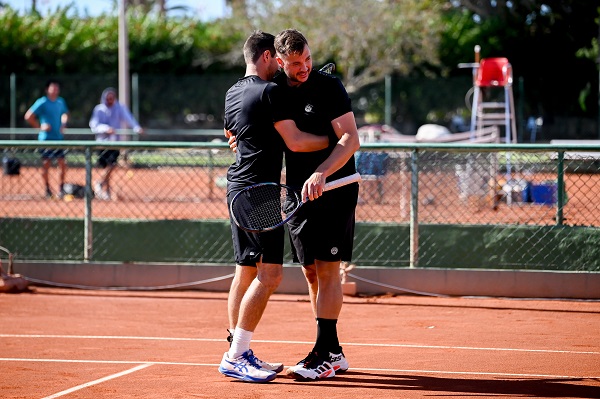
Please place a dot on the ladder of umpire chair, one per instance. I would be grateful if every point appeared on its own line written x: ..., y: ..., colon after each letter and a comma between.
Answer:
x: 494, y: 73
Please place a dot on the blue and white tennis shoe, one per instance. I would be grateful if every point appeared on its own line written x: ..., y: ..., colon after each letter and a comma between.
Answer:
x: 246, y: 367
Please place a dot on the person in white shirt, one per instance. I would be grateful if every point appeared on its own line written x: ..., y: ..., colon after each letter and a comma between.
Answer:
x: 107, y: 118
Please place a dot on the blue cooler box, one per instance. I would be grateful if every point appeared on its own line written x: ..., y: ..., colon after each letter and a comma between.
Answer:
x: 544, y: 193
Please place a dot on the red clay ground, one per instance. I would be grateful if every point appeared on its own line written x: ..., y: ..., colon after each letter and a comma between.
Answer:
x: 90, y: 344
x: 195, y: 193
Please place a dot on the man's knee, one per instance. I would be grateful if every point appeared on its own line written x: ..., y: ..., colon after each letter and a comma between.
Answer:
x: 328, y: 270
x: 244, y: 274
x: 310, y: 273
x: 270, y: 275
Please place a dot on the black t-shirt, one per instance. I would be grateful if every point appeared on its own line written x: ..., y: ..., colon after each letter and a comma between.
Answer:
x: 248, y: 114
x: 312, y: 105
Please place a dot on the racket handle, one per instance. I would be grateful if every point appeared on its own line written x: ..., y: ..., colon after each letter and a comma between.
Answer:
x: 342, y: 181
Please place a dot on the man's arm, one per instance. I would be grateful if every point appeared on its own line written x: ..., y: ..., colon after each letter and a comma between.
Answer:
x: 64, y: 119
x: 297, y: 140
x: 32, y: 119
x: 96, y: 126
x: 130, y: 119
x: 348, y: 143
x: 34, y: 122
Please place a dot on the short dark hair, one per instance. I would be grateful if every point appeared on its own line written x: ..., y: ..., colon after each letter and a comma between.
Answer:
x: 290, y: 41
x: 51, y: 81
x: 256, y: 44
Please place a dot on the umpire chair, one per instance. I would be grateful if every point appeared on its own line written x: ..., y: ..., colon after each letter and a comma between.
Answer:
x: 494, y: 73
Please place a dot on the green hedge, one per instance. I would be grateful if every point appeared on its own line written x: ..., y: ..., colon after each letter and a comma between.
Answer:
x: 209, y: 241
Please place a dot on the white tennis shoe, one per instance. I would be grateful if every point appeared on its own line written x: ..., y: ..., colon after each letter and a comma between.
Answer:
x: 316, y: 368
x: 245, y: 368
x: 276, y: 367
x: 337, y: 360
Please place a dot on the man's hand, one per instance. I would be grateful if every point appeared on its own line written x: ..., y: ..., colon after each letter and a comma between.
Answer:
x: 231, y: 140
x: 313, y: 187
x: 45, y: 127
x: 232, y: 143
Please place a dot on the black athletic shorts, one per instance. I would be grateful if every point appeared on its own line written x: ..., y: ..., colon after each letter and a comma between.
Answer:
x: 323, y: 229
x: 108, y: 157
x: 52, y: 153
x: 249, y: 247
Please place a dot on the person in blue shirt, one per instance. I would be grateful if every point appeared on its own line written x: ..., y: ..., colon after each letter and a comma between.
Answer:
x: 107, y: 118
x: 50, y: 114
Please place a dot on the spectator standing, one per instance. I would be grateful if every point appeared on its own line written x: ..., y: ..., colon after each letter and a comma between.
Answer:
x: 50, y: 114
x: 107, y: 118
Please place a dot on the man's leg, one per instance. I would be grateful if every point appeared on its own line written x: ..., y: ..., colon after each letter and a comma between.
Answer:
x: 62, y: 165
x: 329, y: 295
x: 244, y: 275
x: 310, y: 273
x: 109, y: 160
x: 240, y: 362
x: 46, y: 162
x: 106, y: 179
x: 253, y: 305
x: 101, y: 165
x: 329, y: 305
x: 327, y: 357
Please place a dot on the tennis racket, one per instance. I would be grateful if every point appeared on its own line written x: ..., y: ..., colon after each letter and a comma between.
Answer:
x: 328, y: 68
x: 267, y: 206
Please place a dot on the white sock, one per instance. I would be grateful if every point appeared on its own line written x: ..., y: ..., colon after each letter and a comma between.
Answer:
x: 241, y: 343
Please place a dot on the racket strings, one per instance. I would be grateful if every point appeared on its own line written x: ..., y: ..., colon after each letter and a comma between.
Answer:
x: 263, y: 207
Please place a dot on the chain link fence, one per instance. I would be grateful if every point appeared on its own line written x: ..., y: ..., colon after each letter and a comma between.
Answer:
x: 422, y: 205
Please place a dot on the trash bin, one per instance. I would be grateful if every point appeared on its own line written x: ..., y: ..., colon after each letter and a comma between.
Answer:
x: 11, y: 166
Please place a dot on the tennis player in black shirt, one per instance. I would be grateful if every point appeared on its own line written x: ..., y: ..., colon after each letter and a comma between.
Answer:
x: 259, y: 153
x: 322, y: 232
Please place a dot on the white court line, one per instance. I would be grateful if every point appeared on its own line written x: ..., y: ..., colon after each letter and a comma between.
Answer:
x: 406, y: 371
x: 98, y: 381
x: 299, y: 343
x: 15, y: 359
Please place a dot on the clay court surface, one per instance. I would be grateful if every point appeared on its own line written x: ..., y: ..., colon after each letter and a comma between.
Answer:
x: 113, y: 344
x: 195, y: 193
